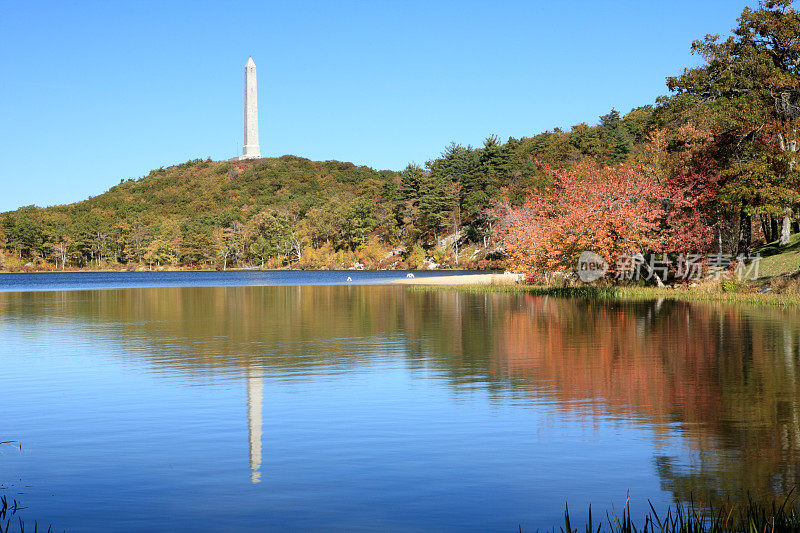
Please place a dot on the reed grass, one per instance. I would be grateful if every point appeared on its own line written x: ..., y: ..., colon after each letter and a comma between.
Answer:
x: 612, y: 293
x: 750, y: 517
x: 7, y: 512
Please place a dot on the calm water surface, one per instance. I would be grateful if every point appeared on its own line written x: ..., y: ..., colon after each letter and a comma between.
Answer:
x: 70, y: 281
x: 379, y: 407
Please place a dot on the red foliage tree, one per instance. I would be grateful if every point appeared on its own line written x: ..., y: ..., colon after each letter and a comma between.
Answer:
x: 615, y: 210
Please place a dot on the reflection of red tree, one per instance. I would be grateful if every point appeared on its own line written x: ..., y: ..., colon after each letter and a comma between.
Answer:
x: 718, y: 370
x: 609, y: 357
x: 640, y: 359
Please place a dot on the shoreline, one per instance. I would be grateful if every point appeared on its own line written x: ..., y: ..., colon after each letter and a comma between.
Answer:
x: 482, y: 282
x: 622, y: 294
x: 113, y: 271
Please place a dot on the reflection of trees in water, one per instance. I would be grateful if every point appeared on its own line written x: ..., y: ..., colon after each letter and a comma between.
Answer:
x: 727, y: 376
x: 226, y: 329
x: 230, y: 328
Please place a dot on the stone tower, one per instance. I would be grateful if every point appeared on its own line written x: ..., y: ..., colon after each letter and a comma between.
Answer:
x: 251, y: 149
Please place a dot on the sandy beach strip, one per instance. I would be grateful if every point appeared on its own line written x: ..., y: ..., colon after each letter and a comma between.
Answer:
x: 464, y: 279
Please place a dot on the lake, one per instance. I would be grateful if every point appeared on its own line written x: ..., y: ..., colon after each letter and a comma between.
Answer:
x: 234, y: 406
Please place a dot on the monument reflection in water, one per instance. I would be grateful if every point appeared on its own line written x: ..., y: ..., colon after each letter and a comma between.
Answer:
x: 255, y: 392
x: 387, y: 407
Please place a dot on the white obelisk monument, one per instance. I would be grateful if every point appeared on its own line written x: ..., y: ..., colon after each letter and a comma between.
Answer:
x: 251, y: 149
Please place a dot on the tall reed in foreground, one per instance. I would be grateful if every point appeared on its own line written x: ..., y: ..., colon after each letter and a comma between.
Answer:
x: 750, y: 517
x: 7, y: 512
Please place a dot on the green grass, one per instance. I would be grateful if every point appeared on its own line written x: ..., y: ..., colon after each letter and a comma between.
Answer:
x: 777, y: 260
x: 623, y: 293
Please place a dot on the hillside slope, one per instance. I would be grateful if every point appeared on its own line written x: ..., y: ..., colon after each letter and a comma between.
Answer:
x: 202, y: 211
x: 207, y: 188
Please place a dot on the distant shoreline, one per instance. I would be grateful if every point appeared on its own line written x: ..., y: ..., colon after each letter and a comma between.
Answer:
x: 113, y: 271
x: 233, y: 278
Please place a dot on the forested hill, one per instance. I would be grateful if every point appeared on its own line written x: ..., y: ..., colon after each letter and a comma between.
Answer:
x: 290, y: 211
x: 203, y: 212
x: 219, y: 193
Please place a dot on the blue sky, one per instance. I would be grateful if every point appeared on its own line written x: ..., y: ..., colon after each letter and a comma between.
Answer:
x: 95, y: 92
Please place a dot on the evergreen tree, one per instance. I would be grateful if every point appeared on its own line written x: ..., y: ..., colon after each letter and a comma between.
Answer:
x: 748, y: 92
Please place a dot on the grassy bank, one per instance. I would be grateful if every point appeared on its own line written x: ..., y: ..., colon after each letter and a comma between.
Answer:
x: 626, y: 293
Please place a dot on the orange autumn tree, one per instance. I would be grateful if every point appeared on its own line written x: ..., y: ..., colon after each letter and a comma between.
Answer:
x: 624, y: 209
